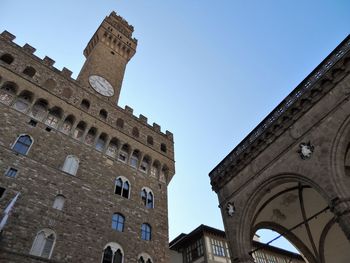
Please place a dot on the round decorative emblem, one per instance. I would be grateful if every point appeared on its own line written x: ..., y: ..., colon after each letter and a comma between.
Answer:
x: 305, y: 150
x: 230, y: 209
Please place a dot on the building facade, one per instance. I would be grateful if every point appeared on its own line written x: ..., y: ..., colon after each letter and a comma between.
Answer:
x: 92, y: 177
x: 209, y: 245
x: 291, y: 173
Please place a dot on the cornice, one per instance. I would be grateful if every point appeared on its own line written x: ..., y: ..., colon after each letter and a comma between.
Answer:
x: 322, y: 79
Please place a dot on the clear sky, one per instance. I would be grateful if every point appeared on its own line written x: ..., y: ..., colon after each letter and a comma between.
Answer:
x: 208, y: 71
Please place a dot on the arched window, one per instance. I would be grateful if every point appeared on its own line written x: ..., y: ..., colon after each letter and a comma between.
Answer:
x: 103, y: 114
x: 150, y: 140
x: 23, y: 144
x: 163, y: 176
x: 43, y: 243
x: 155, y: 169
x: 39, y: 109
x: 59, y: 202
x: 134, y: 159
x: 120, y: 123
x: 145, y: 232
x: 7, y: 58
x: 144, y: 258
x: 107, y: 255
x: 122, y: 187
x: 147, y: 197
x: 112, y: 148
x: 124, y: 153
x: 68, y: 124
x: 23, y: 101
x: 135, y: 132
x: 85, y: 104
x: 90, y: 136
x: 29, y: 71
x: 163, y: 147
x: 144, y: 166
x: 71, y: 165
x: 101, y: 142
x: 118, y: 222
x: 8, y: 92
x: 112, y: 253
x: 79, y: 130
x: 55, y: 115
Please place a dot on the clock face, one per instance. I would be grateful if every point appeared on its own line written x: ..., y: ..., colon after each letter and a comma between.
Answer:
x: 101, y: 85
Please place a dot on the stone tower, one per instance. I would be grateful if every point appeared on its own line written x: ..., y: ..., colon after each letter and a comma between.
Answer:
x: 92, y: 177
x: 107, y: 53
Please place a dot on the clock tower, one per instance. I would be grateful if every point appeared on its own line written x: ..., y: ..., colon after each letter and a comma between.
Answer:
x: 107, y: 53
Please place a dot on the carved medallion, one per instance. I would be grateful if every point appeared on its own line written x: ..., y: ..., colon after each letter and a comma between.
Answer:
x: 306, y: 150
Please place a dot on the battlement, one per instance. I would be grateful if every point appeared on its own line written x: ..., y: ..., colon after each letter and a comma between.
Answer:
x: 120, y: 23
x: 67, y: 74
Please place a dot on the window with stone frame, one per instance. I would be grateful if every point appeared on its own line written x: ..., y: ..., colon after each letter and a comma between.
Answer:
x: 194, y: 251
x: 122, y: 187
x: 118, y: 221
x: 23, y: 144
x: 11, y: 172
x: 134, y: 159
x: 59, y: 202
x: 43, y: 243
x: 218, y: 247
x: 146, y: 232
x: 112, y: 253
x: 71, y: 165
x: 147, y: 198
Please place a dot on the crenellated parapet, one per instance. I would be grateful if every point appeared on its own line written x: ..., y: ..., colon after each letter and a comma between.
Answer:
x: 68, y: 89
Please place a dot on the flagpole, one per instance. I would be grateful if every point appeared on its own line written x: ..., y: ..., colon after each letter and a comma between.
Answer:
x: 7, y: 212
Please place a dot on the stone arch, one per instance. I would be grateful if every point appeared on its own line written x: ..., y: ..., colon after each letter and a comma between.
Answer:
x: 340, y: 175
x: 285, y: 202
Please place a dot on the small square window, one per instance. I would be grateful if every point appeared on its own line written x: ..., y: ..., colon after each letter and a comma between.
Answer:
x: 11, y: 172
x: 2, y: 192
x: 32, y: 123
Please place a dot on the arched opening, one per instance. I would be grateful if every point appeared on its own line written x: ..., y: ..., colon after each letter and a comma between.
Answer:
x: 68, y: 124
x: 85, y: 104
x: 103, y: 114
x: 135, y: 158
x: 112, y: 148
x: 29, y: 71
x: 120, y: 123
x: 55, y: 115
x: 297, y: 211
x: 8, y: 92
x: 79, y: 130
x: 101, y: 142
x: 7, y: 58
x: 124, y: 153
x: 135, y: 132
x: 90, y: 136
x: 39, y: 110
x: 23, y: 101
x: 144, y: 166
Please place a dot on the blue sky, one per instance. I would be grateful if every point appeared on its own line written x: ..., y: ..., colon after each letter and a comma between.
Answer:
x: 208, y: 71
